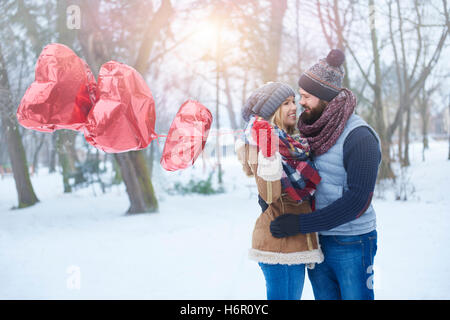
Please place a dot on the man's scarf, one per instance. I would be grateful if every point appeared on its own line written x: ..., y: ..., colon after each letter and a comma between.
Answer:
x: 323, y: 133
x: 299, y: 177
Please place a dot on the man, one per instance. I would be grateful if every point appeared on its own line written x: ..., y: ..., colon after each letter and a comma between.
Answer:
x: 347, y: 154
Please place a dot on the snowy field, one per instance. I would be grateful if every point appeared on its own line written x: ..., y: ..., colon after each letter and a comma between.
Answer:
x: 82, y: 246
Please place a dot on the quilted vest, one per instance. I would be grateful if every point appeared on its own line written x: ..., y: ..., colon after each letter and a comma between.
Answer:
x: 334, y: 182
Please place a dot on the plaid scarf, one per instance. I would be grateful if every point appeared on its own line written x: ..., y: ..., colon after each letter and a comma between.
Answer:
x: 299, y: 177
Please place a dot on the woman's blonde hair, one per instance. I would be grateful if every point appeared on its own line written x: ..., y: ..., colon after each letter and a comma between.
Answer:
x: 276, y: 119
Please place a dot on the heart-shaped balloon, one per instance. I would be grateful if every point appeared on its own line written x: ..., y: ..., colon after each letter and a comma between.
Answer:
x: 61, y: 95
x: 187, y: 136
x: 123, y: 118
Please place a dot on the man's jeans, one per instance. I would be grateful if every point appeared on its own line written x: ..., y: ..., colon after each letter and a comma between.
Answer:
x: 284, y: 282
x: 347, y: 271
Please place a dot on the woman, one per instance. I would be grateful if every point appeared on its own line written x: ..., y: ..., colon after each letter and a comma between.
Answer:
x: 273, y: 152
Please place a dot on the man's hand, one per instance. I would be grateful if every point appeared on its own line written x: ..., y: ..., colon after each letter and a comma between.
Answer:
x: 285, y: 225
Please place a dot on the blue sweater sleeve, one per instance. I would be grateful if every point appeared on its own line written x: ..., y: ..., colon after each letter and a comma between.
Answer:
x: 361, y: 160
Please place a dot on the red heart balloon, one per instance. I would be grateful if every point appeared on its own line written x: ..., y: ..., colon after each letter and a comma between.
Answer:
x: 61, y: 95
x: 187, y: 136
x: 123, y: 118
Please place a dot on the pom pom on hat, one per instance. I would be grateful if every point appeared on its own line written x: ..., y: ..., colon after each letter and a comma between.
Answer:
x: 335, y: 58
x: 324, y: 79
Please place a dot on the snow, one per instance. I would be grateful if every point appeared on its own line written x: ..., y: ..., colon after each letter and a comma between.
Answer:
x: 83, y: 246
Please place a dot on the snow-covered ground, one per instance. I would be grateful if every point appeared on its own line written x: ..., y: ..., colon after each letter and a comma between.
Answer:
x: 81, y: 245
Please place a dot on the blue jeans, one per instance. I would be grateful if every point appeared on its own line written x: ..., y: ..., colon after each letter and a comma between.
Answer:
x: 284, y: 282
x: 347, y: 271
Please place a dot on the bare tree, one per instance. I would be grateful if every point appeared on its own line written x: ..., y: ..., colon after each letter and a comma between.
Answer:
x: 25, y: 191
x: 411, y: 74
x: 410, y: 77
x: 10, y: 126
x: 65, y: 139
x: 423, y: 104
x: 277, y: 11
x: 376, y: 86
x: 133, y: 166
x: 336, y: 25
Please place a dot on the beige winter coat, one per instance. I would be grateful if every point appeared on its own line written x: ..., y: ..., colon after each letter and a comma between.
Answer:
x: 298, y: 249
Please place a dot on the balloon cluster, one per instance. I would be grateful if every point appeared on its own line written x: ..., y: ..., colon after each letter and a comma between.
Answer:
x: 116, y: 114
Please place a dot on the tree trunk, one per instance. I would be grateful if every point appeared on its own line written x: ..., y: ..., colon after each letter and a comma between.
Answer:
x: 65, y: 161
x: 217, y: 119
x: 36, y: 152
x: 277, y: 11
x: 25, y: 191
x: 3, y: 147
x: 340, y: 37
x: 244, y: 96
x: 423, y: 106
x: 117, y: 179
x: 448, y: 124
x: 385, y: 169
x: 425, y: 132
x: 52, y: 153
x: 135, y: 175
x: 406, y: 161
x: 133, y: 167
x: 424, y: 137
x: 67, y: 155
x: 151, y: 159
x: 400, y: 139
x: 231, y: 114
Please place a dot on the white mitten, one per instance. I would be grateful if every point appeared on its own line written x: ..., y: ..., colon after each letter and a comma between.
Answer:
x: 271, y: 168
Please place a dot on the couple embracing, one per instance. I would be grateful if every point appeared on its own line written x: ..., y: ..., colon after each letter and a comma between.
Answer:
x: 315, y: 180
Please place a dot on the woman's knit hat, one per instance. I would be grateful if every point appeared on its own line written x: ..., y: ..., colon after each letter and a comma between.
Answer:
x: 324, y: 79
x: 265, y: 100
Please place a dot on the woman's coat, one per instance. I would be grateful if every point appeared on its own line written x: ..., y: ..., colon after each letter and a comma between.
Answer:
x: 298, y: 249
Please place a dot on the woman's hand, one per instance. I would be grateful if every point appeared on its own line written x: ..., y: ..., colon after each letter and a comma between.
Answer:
x: 285, y: 225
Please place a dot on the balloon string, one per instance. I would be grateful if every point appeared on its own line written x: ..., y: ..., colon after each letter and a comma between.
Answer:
x: 212, y: 134
x: 158, y: 136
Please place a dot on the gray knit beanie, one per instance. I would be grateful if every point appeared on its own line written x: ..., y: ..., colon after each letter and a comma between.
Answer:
x: 324, y: 79
x: 265, y: 100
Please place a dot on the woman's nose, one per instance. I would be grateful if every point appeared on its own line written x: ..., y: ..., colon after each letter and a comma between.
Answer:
x: 293, y: 107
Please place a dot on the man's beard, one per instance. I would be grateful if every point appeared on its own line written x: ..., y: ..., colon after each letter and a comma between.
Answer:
x: 314, y: 114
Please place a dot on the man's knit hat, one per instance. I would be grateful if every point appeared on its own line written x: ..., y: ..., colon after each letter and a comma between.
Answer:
x: 324, y: 79
x: 265, y: 100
